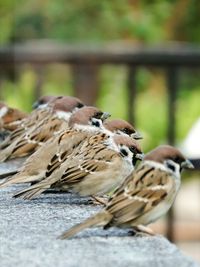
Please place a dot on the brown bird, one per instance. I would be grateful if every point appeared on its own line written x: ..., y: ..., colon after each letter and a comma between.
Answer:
x: 27, y: 123
x: 56, y: 119
x: 10, y: 117
x: 94, y: 168
x: 145, y: 195
x: 82, y: 124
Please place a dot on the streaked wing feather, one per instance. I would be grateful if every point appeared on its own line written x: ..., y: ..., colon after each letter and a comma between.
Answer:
x: 67, y: 142
x: 136, y: 198
x: 77, y: 173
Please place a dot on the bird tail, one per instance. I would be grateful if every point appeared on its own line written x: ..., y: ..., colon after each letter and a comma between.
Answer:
x: 100, y: 219
x: 33, y: 191
x: 20, y: 178
x: 6, y: 153
x: 7, y: 174
x: 8, y: 182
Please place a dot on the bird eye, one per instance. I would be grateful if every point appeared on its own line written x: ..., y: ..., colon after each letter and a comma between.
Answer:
x: 127, y: 131
x: 133, y: 149
x: 98, y: 115
x: 80, y: 105
x: 178, y: 160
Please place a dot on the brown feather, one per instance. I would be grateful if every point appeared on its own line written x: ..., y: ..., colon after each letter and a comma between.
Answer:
x: 125, y: 205
x: 101, y: 218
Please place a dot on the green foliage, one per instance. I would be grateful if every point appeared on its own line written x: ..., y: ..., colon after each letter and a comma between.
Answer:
x: 98, y: 21
x: 191, y: 23
x: 151, y: 105
x: 95, y: 21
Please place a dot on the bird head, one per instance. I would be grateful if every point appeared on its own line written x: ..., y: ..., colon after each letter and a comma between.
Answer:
x: 170, y: 157
x: 129, y: 148
x: 122, y: 127
x: 88, y: 116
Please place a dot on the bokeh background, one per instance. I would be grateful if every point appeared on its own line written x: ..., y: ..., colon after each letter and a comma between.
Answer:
x: 120, y: 23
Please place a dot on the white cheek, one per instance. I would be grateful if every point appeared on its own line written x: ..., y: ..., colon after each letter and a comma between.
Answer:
x: 97, y: 123
x: 129, y: 156
x: 63, y: 115
x: 42, y: 106
x: 3, y: 111
x: 175, y: 165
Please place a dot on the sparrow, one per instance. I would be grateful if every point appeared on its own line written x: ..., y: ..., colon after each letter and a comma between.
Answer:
x: 10, y: 118
x: 144, y: 196
x: 56, y: 119
x: 28, y: 122
x: 83, y: 123
x: 95, y: 167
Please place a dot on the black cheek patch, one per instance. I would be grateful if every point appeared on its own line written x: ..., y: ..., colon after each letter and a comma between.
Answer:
x: 123, y: 152
x: 171, y: 166
x: 96, y: 123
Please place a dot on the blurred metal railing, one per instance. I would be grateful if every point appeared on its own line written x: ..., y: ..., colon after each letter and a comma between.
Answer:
x: 85, y: 61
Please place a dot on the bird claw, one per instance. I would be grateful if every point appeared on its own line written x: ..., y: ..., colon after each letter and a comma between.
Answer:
x: 142, y: 230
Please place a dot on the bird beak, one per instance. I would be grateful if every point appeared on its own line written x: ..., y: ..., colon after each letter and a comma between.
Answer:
x: 105, y: 116
x: 187, y: 164
x: 136, y: 136
x: 139, y: 156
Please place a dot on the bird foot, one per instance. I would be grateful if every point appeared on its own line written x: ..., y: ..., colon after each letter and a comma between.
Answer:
x: 141, y: 230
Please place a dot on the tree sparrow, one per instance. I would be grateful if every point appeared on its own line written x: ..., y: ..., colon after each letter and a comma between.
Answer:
x: 10, y: 117
x: 95, y: 167
x: 82, y: 124
x: 28, y: 122
x: 145, y: 195
x: 55, y: 120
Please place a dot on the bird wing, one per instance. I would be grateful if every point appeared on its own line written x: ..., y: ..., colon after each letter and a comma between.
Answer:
x: 140, y: 192
x: 35, y: 119
x: 69, y: 168
x: 88, y: 158
x: 36, y: 136
x: 67, y: 142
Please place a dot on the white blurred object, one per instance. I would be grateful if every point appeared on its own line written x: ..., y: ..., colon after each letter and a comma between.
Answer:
x: 191, y: 145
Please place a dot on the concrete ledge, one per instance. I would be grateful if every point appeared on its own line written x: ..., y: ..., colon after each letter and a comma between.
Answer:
x: 28, y: 231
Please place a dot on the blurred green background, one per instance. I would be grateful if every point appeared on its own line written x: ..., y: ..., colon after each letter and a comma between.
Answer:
x: 98, y: 22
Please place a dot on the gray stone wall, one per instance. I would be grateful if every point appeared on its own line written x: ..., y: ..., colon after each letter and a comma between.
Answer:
x: 28, y: 231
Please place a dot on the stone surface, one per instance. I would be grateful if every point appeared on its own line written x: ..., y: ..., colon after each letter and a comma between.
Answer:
x: 28, y: 231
